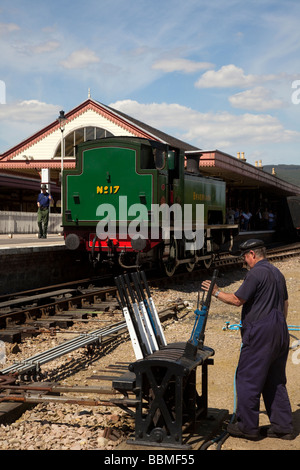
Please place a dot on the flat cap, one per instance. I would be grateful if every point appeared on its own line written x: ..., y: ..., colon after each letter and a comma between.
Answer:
x: 251, y: 244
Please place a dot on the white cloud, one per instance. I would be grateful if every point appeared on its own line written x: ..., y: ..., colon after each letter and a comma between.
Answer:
x: 209, y: 130
x: 22, y: 119
x: 224, y: 130
x: 48, y: 46
x: 6, y: 28
x: 28, y: 111
x: 231, y: 76
x: 256, y: 99
x: 30, y: 50
x: 180, y: 65
x: 80, y: 59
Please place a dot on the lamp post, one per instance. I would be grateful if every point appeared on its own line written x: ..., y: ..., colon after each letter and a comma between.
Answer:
x: 62, y: 124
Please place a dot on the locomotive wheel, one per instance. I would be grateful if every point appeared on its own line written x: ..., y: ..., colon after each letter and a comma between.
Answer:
x: 190, y: 267
x: 170, y: 263
x: 190, y: 254
x: 208, y: 262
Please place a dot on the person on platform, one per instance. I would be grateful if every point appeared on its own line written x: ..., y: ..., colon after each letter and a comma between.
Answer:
x: 43, y: 202
x: 265, y: 346
x: 271, y: 223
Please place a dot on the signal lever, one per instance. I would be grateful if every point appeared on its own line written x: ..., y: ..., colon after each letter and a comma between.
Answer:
x: 196, y: 340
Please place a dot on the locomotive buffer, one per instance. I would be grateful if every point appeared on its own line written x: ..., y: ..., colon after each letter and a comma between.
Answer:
x: 164, y: 376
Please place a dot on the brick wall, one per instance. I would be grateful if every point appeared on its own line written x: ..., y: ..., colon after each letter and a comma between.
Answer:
x: 30, y: 270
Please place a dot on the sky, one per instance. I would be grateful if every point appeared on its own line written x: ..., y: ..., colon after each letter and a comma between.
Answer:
x: 217, y: 74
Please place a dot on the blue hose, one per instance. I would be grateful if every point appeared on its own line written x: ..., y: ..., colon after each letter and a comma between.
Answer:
x: 237, y: 326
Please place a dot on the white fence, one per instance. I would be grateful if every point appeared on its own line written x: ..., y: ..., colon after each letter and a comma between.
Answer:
x: 26, y: 222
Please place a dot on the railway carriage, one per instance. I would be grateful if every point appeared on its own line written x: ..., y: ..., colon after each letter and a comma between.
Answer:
x: 133, y: 201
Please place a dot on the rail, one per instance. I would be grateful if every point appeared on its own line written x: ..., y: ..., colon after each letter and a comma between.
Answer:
x: 84, y: 339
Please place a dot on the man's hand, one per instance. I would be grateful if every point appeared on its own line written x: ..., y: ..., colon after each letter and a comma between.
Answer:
x: 206, y: 285
x: 223, y: 296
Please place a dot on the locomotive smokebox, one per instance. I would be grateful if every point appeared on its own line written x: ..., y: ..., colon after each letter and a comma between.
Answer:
x: 192, y: 163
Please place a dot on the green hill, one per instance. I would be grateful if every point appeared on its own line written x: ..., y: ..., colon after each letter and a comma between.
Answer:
x: 289, y: 173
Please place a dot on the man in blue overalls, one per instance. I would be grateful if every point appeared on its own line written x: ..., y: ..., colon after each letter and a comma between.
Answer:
x: 265, y: 346
x: 43, y: 202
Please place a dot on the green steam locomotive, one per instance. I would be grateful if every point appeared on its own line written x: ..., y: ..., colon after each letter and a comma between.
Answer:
x: 135, y: 201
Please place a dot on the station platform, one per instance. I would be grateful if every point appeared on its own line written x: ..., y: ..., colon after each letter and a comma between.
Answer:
x: 25, y: 243
x: 28, y: 262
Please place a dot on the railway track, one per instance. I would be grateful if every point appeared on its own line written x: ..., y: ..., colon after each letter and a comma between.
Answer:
x: 51, y: 310
x: 273, y: 254
x: 86, y: 300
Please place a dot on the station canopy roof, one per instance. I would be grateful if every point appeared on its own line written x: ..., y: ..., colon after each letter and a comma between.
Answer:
x: 239, y: 174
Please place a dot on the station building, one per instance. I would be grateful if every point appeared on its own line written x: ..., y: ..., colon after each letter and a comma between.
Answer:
x: 38, y: 160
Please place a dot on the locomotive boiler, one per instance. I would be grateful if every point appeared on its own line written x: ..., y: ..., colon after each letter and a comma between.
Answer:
x: 135, y: 201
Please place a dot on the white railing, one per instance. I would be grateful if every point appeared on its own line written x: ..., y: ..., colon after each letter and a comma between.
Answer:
x: 26, y: 222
